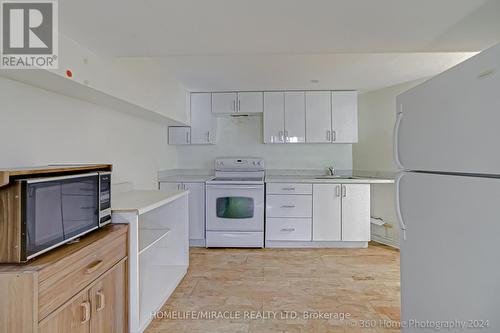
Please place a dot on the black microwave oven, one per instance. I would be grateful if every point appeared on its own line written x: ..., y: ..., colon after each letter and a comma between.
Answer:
x: 57, y: 210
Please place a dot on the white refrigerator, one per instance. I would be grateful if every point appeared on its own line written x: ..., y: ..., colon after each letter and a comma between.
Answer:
x: 447, y: 146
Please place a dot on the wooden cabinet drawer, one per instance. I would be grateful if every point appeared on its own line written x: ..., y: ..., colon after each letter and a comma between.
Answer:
x: 288, y: 188
x: 289, y: 206
x: 67, y: 277
x: 288, y: 229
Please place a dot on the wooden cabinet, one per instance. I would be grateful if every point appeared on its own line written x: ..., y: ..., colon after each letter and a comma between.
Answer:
x: 318, y: 117
x: 341, y: 212
x: 179, y: 135
x: 74, y: 317
x: 327, y: 213
x: 344, y: 116
x: 196, y: 208
x: 109, y: 302
x: 203, y: 123
x: 79, y: 287
x: 231, y: 102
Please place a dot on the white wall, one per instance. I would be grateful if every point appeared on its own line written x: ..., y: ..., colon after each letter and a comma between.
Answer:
x: 373, y: 152
x: 38, y: 127
x: 243, y: 137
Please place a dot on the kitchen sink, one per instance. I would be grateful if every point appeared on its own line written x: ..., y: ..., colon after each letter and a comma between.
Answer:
x: 338, y: 177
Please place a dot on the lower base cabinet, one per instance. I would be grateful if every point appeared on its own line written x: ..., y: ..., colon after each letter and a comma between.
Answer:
x: 102, y: 308
x: 317, y: 215
x: 196, y: 209
x: 91, y: 275
x: 341, y: 212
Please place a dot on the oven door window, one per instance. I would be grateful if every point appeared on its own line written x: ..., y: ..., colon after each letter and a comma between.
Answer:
x: 235, y: 207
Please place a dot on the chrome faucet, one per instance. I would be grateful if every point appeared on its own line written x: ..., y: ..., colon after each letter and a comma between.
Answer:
x: 331, y: 171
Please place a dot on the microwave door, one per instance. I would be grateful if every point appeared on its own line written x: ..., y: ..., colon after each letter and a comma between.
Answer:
x: 57, y: 210
x: 44, y: 225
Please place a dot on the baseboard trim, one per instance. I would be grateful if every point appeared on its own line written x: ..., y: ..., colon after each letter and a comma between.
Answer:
x: 386, y: 241
x: 299, y: 244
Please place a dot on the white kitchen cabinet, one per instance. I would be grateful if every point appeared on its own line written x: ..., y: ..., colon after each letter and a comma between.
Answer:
x: 179, y: 135
x: 203, y: 123
x: 284, y: 117
x: 355, y: 212
x: 295, y: 117
x: 224, y: 102
x: 250, y: 102
x: 196, y: 206
x: 288, y: 229
x: 318, y: 116
x: 327, y: 212
x: 289, y: 206
x: 344, y: 116
x: 341, y: 212
x: 274, y: 117
x: 231, y: 102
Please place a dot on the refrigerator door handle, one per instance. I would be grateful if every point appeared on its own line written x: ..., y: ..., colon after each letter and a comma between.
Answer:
x: 398, y: 208
x: 399, y: 115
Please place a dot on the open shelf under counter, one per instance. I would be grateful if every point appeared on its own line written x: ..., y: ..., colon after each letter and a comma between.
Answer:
x: 158, y: 248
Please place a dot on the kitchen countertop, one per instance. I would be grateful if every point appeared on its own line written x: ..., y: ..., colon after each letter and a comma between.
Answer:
x: 186, y: 178
x: 284, y: 176
x: 314, y: 179
x: 143, y: 201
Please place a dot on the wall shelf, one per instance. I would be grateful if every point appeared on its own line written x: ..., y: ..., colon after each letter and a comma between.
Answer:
x: 54, y: 82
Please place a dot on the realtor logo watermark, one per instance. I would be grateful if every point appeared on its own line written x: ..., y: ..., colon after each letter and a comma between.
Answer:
x: 29, y: 34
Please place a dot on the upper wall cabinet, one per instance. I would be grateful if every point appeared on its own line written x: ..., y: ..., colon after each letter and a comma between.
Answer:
x: 203, y: 123
x: 318, y: 116
x: 331, y: 117
x: 311, y: 117
x: 232, y: 102
x: 344, y: 116
x: 284, y: 117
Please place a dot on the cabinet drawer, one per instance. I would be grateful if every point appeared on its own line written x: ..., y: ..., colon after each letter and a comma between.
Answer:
x: 288, y: 229
x: 289, y: 206
x: 288, y: 188
x: 65, y: 278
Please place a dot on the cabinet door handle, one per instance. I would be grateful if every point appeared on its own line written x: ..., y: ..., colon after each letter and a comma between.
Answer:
x: 178, y: 186
x: 187, y: 137
x: 328, y: 136
x: 86, y: 312
x: 344, y: 191
x: 287, y: 206
x: 334, y: 135
x: 102, y: 300
x: 239, y: 105
x: 288, y: 189
x: 288, y: 229
x: 184, y: 187
x: 337, y: 190
x: 208, y: 136
x: 93, y: 267
x: 234, y: 105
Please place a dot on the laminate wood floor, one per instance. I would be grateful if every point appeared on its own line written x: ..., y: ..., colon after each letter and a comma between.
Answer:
x: 248, y: 290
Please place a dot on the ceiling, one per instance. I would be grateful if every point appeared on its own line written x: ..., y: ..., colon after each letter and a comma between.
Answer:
x: 284, y: 44
x: 362, y: 72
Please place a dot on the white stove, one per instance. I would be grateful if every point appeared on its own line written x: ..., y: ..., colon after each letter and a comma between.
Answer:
x: 235, y: 203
